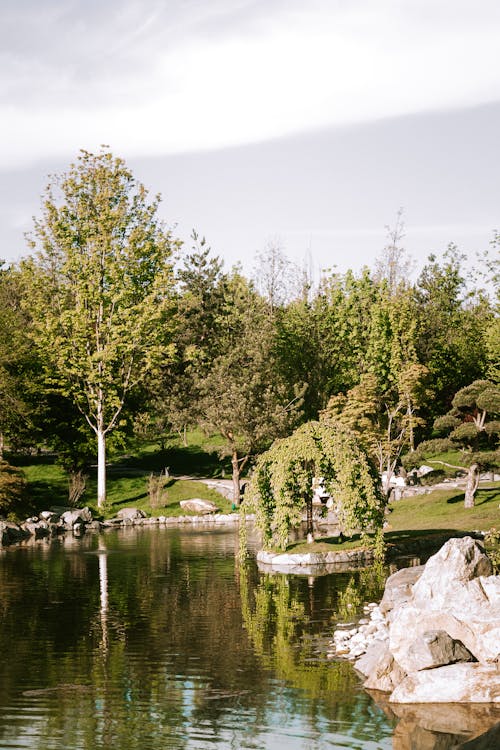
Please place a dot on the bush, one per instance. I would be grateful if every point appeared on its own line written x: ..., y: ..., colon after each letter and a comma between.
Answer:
x: 12, y: 488
x: 157, y: 484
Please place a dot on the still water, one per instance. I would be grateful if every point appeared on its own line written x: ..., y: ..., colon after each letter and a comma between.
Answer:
x: 156, y: 638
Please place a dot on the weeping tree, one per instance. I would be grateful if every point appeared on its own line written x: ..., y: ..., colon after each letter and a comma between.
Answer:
x: 282, y: 482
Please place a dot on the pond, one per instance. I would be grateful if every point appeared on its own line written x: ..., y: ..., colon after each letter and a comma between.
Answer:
x: 157, y: 638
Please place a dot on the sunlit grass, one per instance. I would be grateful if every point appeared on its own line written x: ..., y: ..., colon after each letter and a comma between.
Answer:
x: 127, y: 483
x: 438, y: 512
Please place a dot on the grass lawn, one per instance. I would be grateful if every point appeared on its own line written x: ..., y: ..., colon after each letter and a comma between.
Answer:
x: 440, y: 511
x: 127, y: 484
x: 444, y: 509
x: 199, y: 458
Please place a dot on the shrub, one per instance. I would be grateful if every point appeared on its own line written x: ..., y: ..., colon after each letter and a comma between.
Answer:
x: 12, y: 488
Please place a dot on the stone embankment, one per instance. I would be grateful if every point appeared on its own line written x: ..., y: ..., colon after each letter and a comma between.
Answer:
x: 51, y: 523
x: 435, y: 636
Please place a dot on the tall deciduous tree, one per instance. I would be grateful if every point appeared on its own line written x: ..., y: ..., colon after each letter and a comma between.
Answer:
x: 450, y: 338
x: 100, y: 289
x: 394, y: 265
x: 242, y: 395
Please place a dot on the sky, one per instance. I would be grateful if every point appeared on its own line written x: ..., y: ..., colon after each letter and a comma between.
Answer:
x: 306, y: 125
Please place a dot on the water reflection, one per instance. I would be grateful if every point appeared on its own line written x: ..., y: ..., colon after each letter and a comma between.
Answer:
x: 442, y: 726
x: 103, y: 590
x: 155, y: 638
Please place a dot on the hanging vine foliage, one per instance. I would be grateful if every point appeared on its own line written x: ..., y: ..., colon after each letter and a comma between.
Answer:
x: 282, y: 482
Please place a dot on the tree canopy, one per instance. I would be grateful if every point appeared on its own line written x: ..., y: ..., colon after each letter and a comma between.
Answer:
x: 100, y: 288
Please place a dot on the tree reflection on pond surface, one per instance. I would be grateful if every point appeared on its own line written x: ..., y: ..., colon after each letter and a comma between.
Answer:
x: 156, y: 638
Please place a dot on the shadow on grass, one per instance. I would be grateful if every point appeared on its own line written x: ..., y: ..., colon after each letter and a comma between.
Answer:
x: 398, y: 536
x: 456, y: 499
x: 42, y: 495
x: 392, y: 539
x: 483, y: 496
x: 20, y: 459
x: 191, y: 461
x: 126, y: 500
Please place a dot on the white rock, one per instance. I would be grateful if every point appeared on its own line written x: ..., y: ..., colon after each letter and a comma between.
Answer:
x: 386, y: 674
x: 455, y: 683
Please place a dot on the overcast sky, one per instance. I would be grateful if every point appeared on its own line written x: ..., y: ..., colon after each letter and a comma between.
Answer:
x: 304, y: 123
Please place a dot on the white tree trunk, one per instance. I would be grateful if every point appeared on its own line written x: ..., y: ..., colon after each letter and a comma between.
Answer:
x: 101, y: 468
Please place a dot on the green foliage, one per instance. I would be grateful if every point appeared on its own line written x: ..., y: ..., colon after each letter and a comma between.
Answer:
x: 16, y: 363
x: 443, y: 425
x: 384, y: 420
x: 492, y: 541
x: 475, y: 433
x: 450, y: 336
x: 242, y: 396
x: 281, y: 485
x: 465, y: 432
x: 100, y: 289
x: 12, y: 488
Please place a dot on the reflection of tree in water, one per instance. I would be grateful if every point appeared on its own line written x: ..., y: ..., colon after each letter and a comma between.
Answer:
x: 147, y: 643
x: 278, y: 624
x: 363, y: 586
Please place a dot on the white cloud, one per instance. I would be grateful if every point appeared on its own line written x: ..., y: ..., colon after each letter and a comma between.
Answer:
x: 150, y: 83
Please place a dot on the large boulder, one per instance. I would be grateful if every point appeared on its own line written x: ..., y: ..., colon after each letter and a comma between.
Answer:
x: 367, y: 663
x: 447, y: 573
x: 455, y: 683
x: 443, y: 624
x: 197, y: 505
x: 455, y: 593
x: 386, y: 674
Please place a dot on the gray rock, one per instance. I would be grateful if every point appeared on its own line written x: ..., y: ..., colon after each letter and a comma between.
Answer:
x: 49, y: 516
x: 452, y: 567
x: 197, y: 505
x: 76, y: 515
x: 479, y: 632
x: 130, y: 514
x: 434, y: 648
x: 455, y: 593
x: 455, y: 683
x: 38, y: 529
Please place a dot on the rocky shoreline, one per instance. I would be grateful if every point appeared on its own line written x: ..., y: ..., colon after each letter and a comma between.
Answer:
x: 56, y: 521
x: 435, y: 636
